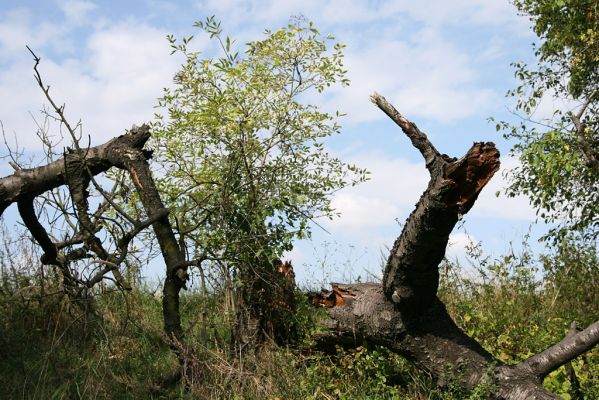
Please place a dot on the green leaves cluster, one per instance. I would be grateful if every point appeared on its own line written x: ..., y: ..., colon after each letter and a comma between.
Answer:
x: 556, y: 177
x: 569, y: 41
x: 242, y: 150
x: 559, y: 153
x: 517, y: 305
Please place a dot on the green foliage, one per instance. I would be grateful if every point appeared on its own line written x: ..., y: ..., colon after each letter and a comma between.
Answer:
x: 354, y: 374
x: 51, y: 349
x: 571, y: 279
x: 557, y: 180
x: 569, y: 33
x: 559, y: 169
x: 245, y: 168
x: 516, y: 306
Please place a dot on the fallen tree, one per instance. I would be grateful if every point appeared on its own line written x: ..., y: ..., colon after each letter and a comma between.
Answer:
x: 82, y: 243
x: 405, y: 315
x: 75, y: 171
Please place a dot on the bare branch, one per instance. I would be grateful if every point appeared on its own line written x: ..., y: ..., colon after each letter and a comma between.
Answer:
x: 62, y: 118
x: 416, y: 136
x: 559, y: 354
x: 123, y: 243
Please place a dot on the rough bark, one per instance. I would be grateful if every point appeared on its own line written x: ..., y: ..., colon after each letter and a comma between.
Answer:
x: 266, y: 307
x: 75, y: 170
x: 404, y: 313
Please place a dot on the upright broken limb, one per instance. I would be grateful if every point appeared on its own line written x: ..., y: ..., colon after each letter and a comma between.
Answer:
x: 405, y: 314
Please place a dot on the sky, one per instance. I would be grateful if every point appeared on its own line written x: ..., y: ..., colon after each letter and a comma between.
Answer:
x: 445, y: 65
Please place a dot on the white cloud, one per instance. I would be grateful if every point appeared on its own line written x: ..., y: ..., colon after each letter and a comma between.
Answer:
x: 126, y: 65
x: 457, y: 246
x: 76, y: 11
x: 428, y: 77
x: 363, y: 211
x: 488, y: 205
x: 114, y: 87
x: 267, y: 11
x: 337, y: 12
x: 18, y: 29
x: 456, y: 12
x: 394, y: 187
x: 414, y: 61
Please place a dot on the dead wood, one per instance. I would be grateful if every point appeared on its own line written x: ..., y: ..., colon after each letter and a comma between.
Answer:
x: 404, y: 313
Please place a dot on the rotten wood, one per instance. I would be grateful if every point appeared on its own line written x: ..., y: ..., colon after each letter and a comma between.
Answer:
x: 405, y: 315
x: 337, y: 296
x: 266, y: 308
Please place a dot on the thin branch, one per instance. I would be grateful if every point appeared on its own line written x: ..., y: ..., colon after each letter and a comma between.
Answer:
x: 559, y: 354
x: 14, y: 162
x: 83, y: 155
x: 416, y: 136
x: 123, y: 243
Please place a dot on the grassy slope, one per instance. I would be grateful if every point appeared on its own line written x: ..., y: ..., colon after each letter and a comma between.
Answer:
x: 52, y: 349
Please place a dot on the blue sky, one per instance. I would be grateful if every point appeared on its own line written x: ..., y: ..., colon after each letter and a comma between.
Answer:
x: 443, y: 64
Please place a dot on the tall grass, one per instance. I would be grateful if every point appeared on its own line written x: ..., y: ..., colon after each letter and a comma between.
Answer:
x: 114, y: 347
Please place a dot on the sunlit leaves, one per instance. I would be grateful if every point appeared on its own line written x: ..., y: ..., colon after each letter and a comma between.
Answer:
x: 557, y: 150
x: 560, y: 185
x: 569, y: 33
x: 242, y: 151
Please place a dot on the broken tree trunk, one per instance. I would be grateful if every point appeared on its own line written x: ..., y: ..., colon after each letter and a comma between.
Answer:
x: 404, y: 313
x: 75, y: 170
x: 266, y: 307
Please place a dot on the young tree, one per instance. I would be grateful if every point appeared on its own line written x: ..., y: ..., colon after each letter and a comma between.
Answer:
x: 245, y: 170
x: 559, y: 153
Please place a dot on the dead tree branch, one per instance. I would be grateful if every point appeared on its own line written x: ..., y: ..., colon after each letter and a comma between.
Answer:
x: 404, y: 313
x: 559, y: 354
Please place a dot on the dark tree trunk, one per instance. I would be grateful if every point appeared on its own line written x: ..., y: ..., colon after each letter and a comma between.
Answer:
x: 266, y: 306
x: 404, y: 313
x: 75, y: 170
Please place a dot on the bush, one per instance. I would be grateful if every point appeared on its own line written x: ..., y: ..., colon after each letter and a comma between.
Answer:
x: 518, y: 305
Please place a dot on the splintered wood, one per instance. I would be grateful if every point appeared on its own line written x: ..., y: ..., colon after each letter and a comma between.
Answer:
x: 470, y: 174
x: 332, y: 298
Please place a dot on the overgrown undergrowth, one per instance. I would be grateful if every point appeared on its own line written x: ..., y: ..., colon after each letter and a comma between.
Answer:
x: 113, y: 345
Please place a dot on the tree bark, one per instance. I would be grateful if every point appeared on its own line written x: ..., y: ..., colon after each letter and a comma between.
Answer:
x: 266, y: 307
x: 405, y: 315
x: 75, y: 170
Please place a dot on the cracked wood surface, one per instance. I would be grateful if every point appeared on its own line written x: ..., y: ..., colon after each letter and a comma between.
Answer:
x: 405, y: 315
